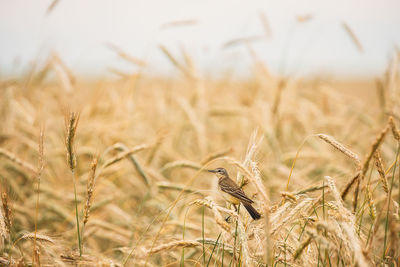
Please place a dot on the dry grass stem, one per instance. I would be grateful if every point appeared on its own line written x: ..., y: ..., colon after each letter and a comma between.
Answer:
x: 353, y: 36
x: 375, y: 226
x: 371, y: 204
x: 330, y: 140
x: 381, y: 170
x: 289, y: 196
x: 175, y: 62
x: 122, y: 54
x: 278, y: 96
x: 170, y: 246
x: 395, y: 131
x: 242, y: 40
x: 41, y: 161
x: 64, y: 74
x: 3, y: 228
x: 196, y: 122
x: 292, y: 214
x: 335, y: 191
x: 178, y: 187
x: 13, y: 158
x: 89, y: 190
x: 71, y: 126
x: 256, y: 179
x: 215, y: 155
x: 138, y: 167
x: 159, y: 140
x: 302, y: 246
x: 125, y: 154
x: 178, y: 23
x: 7, y: 213
x: 378, y: 140
x: 347, y: 223
x: 356, y: 192
x: 310, y: 189
x: 52, y: 6
x: 216, y: 211
x: 206, y: 202
x: 180, y: 164
x: 39, y: 173
x: 394, y: 240
x: 350, y: 184
x: 38, y: 237
x: 243, y: 242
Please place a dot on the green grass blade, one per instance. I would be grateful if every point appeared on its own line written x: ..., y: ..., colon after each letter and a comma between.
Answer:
x: 223, y: 254
x: 212, y: 252
x: 202, y: 234
x: 77, y: 217
x: 183, y: 238
x: 388, y: 205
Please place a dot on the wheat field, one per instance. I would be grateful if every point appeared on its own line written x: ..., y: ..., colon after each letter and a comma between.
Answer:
x: 113, y: 172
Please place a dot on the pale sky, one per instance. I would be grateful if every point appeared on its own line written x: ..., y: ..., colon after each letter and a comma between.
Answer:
x: 79, y: 29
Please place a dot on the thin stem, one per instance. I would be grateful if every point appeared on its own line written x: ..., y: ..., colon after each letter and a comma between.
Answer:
x: 236, y: 232
x: 183, y: 238
x: 212, y: 252
x: 77, y: 215
x: 36, y: 218
x: 388, y: 204
x: 202, y: 234
x: 223, y: 254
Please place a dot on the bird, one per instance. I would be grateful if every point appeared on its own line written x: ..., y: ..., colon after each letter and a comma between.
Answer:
x: 233, y: 193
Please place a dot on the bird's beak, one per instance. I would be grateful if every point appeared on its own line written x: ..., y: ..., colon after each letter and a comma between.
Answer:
x: 214, y: 171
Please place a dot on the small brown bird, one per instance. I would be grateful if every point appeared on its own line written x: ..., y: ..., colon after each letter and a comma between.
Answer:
x: 233, y: 193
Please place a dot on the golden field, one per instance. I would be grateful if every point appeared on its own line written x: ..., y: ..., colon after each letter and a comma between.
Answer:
x: 318, y: 156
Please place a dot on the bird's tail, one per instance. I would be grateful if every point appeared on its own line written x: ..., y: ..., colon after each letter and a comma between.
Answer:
x: 252, y: 211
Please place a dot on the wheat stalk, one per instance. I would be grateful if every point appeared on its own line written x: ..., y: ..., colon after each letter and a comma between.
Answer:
x: 302, y: 246
x: 38, y: 237
x: 339, y: 146
x: 3, y: 228
x: 7, y: 213
x: 353, y: 36
x: 39, y: 173
x: 13, y: 158
x: 71, y: 127
x: 170, y: 246
x: 215, y: 155
x: 89, y: 190
x: 395, y: 131
x: 180, y: 164
x: 125, y: 154
x: 378, y: 140
x: 216, y: 211
x: 381, y: 170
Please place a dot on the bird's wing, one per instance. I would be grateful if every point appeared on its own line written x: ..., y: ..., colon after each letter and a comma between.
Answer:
x: 229, y: 186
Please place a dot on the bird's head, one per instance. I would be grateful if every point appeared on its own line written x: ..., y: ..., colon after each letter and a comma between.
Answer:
x: 220, y: 172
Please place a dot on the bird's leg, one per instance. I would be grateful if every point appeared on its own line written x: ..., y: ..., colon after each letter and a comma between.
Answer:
x: 227, y: 219
x: 235, y: 207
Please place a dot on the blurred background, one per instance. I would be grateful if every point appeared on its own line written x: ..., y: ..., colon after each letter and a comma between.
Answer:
x: 310, y: 37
